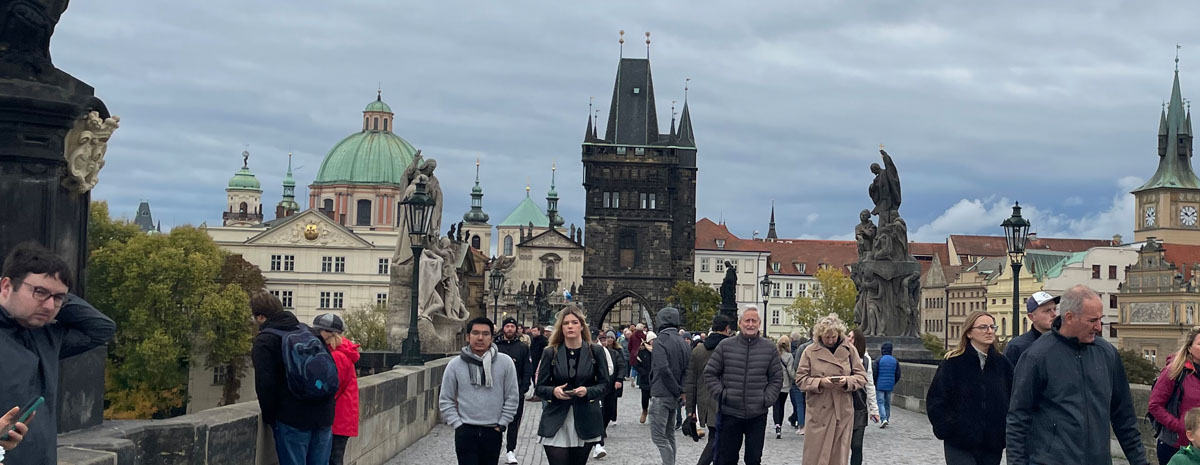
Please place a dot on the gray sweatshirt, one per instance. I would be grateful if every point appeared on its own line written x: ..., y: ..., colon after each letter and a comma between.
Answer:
x: 461, y: 403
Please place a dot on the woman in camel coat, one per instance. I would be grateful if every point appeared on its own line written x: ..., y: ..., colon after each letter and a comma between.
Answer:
x: 828, y: 372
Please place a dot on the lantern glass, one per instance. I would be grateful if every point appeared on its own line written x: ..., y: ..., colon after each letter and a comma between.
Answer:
x: 766, y: 286
x: 1016, y: 234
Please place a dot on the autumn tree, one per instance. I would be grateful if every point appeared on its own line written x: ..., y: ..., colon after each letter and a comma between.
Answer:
x: 833, y: 293
x: 367, y: 325
x: 697, y: 303
x: 102, y: 229
x: 172, y: 296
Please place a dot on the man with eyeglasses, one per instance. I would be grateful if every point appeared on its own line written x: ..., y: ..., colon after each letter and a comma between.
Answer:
x: 1069, y: 390
x: 41, y: 323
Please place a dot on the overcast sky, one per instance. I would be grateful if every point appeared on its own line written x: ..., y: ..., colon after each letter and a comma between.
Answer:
x: 980, y: 104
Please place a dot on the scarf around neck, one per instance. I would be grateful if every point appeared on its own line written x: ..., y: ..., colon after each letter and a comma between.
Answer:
x: 480, y: 368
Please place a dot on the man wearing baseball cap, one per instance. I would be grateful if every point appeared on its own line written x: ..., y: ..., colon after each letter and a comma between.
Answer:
x: 1041, y: 308
x: 509, y: 343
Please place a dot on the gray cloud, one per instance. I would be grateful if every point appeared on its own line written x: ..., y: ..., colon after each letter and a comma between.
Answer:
x: 1042, y: 103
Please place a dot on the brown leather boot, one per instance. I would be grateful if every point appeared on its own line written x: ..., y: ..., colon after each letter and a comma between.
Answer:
x: 643, y: 420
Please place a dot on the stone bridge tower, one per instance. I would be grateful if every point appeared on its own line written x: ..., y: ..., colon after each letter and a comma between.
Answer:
x: 640, y: 213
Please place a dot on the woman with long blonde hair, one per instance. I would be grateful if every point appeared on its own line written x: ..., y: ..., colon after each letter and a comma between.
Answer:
x: 967, y: 401
x: 572, y: 375
x: 1177, y: 380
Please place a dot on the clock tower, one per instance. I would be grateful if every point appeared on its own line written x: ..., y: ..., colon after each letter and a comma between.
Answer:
x: 1168, y: 205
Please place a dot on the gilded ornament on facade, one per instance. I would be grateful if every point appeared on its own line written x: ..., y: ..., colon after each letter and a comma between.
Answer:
x: 311, y: 232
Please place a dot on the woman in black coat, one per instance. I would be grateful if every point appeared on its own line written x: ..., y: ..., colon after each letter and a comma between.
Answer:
x: 967, y: 402
x: 645, y: 359
x: 572, y: 378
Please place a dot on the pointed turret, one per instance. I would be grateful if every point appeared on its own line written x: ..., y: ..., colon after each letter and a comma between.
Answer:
x: 686, y: 139
x: 632, y: 118
x: 1175, y: 146
x: 288, y: 206
x: 588, y: 135
x: 552, y: 201
x: 476, y: 214
x: 771, y: 235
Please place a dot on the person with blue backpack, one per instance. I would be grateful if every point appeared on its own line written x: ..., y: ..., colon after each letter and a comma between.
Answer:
x: 887, y: 374
x: 296, y: 380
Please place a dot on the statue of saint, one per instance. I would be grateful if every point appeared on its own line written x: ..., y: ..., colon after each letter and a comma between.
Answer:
x: 729, y: 286
x: 864, y: 234
x: 885, y: 189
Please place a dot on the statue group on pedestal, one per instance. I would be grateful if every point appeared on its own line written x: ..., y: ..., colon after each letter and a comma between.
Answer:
x: 887, y: 277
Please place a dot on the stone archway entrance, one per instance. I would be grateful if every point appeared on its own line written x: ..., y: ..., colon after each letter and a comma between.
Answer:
x: 624, y: 307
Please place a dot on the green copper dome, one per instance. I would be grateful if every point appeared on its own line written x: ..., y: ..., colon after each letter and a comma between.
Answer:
x: 244, y: 179
x: 367, y: 157
x: 378, y: 105
x: 525, y: 213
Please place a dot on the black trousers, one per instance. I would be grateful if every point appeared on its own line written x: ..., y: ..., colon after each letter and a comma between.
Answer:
x: 566, y: 455
x: 646, y: 399
x: 956, y: 456
x: 1164, y: 452
x: 856, y: 439
x: 706, y: 457
x: 515, y: 426
x: 779, y: 408
x: 731, y: 431
x: 337, y: 451
x: 477, y: 445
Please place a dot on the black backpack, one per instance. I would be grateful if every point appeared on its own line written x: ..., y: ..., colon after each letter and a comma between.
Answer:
x: 1163, y: 434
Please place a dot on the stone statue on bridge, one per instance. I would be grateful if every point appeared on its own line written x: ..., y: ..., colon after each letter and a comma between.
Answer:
x: 729, y: 289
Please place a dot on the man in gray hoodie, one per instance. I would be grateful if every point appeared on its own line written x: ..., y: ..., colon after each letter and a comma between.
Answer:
x: 479, y: 395
x: 668, y: 368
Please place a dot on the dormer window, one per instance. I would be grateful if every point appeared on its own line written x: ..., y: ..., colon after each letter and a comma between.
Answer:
x: 800, y: 267
x: 775, y: 266
x: 720, y: 243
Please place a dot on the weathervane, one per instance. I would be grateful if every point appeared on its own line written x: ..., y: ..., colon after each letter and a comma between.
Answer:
x: 621, y: 41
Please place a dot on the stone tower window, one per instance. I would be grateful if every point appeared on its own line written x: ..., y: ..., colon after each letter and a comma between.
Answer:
x: 243, y: 208
x: 508, y: 245
x: 364, y: 213
x: 628, y: 249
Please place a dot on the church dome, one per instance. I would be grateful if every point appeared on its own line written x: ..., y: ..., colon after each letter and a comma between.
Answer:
x: 244, y: 179
x: 374, y: 155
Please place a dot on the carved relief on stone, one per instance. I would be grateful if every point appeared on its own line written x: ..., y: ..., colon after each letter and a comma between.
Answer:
x: 576, y: 257
x: 1149, y: 312
x: 85, y: 147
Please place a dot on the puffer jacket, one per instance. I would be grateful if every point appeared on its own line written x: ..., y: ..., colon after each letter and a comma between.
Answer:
x: 1066, y: 394
x: 700, y: 401
x: 345, y: 416
x: 671, y: 353
x: 744, y: 375
x: 887, y: 369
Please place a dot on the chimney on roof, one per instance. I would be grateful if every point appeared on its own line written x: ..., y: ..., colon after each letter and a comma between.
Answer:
x: 1116, y: 239
x: 1031, y: 237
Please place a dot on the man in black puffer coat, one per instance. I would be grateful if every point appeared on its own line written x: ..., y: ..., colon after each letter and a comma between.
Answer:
x: 745, y: 375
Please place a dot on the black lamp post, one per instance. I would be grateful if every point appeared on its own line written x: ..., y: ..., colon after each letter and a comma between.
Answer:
x: 497, y: 282
x: 766, y: 293
x: 417, y: 209
x: 1016, y: 232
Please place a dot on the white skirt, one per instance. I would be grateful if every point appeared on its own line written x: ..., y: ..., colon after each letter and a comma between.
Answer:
x: 566, y: 435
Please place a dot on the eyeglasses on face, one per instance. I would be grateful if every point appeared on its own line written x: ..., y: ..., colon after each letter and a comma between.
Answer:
x: 985, y: 327
x: 42, y: 294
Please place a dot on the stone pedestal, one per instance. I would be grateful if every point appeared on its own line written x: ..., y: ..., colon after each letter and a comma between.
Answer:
x: 905, y: 349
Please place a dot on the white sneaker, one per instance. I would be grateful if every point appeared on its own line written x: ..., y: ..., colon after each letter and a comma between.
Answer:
x: 510, y: 457
x: 598, y: 452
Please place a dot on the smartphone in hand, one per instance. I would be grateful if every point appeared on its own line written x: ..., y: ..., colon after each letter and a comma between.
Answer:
x: 26, y: 411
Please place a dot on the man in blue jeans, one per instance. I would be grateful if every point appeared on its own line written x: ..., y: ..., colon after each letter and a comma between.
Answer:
x: 302, y: 428
x: 887, y: 374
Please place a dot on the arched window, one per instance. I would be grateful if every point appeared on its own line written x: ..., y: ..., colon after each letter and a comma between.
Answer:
x: 508, y: 242
x: 364, y: 212
x: 385, y: 124
x: 243, y: 208
x: 550, y: 271
x: 327, y: 205
x: 375, y: 123
x: 475, y: 242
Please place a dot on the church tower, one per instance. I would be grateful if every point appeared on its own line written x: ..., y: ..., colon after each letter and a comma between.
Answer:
x: 288, y: 206
x: 475, y: 221
x: 640, y: 210
x: 1168, y: 204
x: 244, y: 195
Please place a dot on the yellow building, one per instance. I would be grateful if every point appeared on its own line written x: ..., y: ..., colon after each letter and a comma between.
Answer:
x: 1031, y: 279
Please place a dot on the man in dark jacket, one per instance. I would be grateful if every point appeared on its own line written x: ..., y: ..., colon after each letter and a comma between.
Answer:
x: 745, y: 375
x: 1042, y: 309
x: 40, y: 324
x: 1068, y: 389
x: 509, y: 343
x: 302, y: 428
x: 668, y: 368
x: 701, y: 405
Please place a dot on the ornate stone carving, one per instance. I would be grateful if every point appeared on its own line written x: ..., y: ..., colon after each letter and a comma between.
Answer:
x: 86, y: 144
x: 887, y: 277
x: 1149, y: 312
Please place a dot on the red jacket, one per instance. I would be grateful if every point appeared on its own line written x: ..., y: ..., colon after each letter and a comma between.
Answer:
x: 345, y: 419
x: 635, y: 345
x: 1162, y: 393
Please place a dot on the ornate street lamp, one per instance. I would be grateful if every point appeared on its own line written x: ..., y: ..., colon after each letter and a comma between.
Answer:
x: 417, y: 213
x: 497, y: 282
x: 1016, y: 232
x: 766, y: 293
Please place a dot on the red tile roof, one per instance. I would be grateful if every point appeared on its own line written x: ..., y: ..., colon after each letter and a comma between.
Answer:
x: 995, y: 246
x: 1183, y: 257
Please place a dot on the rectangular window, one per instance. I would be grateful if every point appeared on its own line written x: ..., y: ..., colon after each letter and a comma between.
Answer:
x: 775, y: 266
x: 774, y: 289
x: 339, y: 264
x: 381, y: 298
x: 1112, y: 271
x: 337, y: 299
x: 325, y: 299
x: 285, y: 298
x: 644, y: 200
x: 703, y: 264
x: 720, y: 266
x: 775, y: 317
x: 993, y: 301
x: 1150, y: 354
x: 1095, y: 271
x: 616, y: 200
x: 653, y: 202
x: 384, y: 265
x: 608, y: 200
x: 326, y: 266
x: 802, y: 289
x: 1112, y: 301
x: 788, y: 292
x: 289, y: 263
x: 276, y: 262
x: 220, y: 374
x: 639, y: 151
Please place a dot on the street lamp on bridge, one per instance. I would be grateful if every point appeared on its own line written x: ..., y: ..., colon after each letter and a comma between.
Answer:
x: 1016, y: 232
x: 417, y: 209
x: 497, y: 282
x: 766, y: 293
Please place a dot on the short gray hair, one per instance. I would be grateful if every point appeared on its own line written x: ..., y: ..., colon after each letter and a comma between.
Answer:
x: 1072, y: 300
x: 748, y: 308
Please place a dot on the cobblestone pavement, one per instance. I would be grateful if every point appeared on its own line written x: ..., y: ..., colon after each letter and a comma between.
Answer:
x: 908, y: 440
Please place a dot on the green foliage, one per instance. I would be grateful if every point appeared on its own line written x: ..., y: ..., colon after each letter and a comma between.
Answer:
x: 172, y: 296
x: 101, y: 229
x: 367, y: 325
x: 835, y: 293
x: 1137, y: 368
x: 934, y: 344
x: 698, y: 303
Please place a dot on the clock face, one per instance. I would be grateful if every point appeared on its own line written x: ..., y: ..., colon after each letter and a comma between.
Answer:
x: 1187, y: 216
x: 1149, y: 216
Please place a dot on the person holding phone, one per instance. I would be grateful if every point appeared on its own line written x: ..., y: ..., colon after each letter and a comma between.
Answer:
x: 12, y: 429
x: 572, y: 378
x: 40, y: 324
x: 829, y: 372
